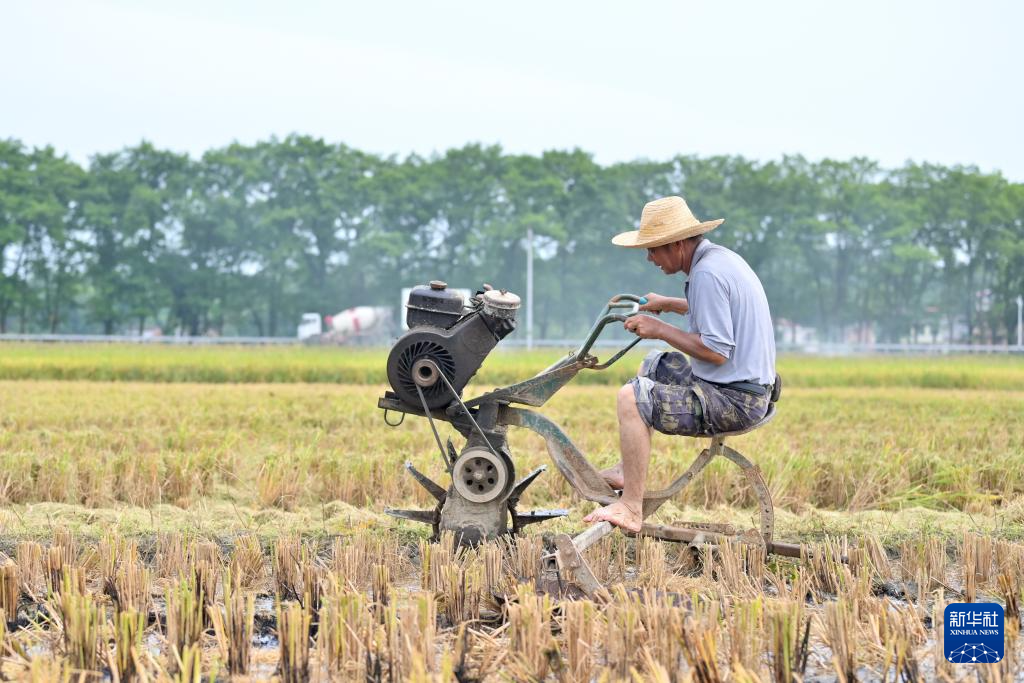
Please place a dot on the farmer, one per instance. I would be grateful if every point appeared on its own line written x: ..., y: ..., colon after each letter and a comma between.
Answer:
x: 725, y: 384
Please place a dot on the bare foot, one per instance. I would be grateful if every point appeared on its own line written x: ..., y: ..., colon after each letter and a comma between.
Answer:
x: 614, y: 477
x: 619, y: 514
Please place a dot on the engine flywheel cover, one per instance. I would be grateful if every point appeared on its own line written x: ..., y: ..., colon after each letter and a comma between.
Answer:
x: 479, y: 475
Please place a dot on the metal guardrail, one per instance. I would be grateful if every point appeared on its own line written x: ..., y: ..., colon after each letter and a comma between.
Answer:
x: 822, y: 349
x: 834, y: 349
x: 134, y: 339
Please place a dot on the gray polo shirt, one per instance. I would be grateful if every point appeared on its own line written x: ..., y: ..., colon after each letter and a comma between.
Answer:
x: 729, y: 310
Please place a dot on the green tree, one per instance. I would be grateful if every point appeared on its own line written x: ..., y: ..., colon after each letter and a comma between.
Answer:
x: 129, y: 213
x: 15, y: 193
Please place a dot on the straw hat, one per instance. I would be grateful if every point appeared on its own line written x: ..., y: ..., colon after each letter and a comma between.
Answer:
x: 665, y: 220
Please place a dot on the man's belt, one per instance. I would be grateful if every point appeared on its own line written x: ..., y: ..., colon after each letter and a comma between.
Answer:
x: 748, y: 387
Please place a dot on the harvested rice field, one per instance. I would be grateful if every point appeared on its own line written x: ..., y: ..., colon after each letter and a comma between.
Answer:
x: 221, y: 516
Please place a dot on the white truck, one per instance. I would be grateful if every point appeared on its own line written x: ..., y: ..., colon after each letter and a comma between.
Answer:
x: 357, y: 322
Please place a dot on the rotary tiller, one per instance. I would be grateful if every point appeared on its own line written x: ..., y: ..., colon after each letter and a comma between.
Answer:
x: 431, y: 364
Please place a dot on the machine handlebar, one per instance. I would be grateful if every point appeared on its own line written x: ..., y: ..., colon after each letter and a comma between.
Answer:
x: 631, y: 303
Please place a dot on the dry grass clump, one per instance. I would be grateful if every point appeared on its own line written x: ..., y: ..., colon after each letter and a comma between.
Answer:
x: 130, y: 588
x: 700, y: 637
x: 172, y: 554
x: 354, y: 557
x: 582, y: 634
x: 523, y: 556
x: 741, y: 568
x: 676, y: 633
x: 839, y: 626
x: 869, y: 557
x: 976, y: 555
x: 114, y: 551
x: 433, y: 558
x: 532, y: 647
x: 187, y: 666
x: 896, y: 634
x: 346, y: 629
x: 186, y: 614
x: 246, y: 563
x: 418, y: 619
x: 293, y: 624
x: 923, y: 561
x: 10, y: 587
x: 125, y: 579
x: 60, y: 559
x: 625, y: 632
x: 48, y: 670
x: 29, y: 556
x: 179, y: 555
x: 459, y: 591
x: 788, y: 638
x: 297, y: 573
x: 746, y: 634
x: 81, y: 619
x: 377, y: 638
x: 652, y: 569
x: 233, y: 625
x: 279, y: 484
x: 126, y: 633
x: 381, y: 591
x: 829, y: 573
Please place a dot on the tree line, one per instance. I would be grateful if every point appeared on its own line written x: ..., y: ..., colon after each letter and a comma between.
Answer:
x: 248, y: 237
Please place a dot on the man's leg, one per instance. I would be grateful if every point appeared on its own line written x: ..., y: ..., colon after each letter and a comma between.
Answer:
x: 635, y: 446
x: 615, y: 475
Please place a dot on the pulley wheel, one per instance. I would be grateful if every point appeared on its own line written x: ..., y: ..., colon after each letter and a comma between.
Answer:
x: 479, y: 475
x: 425, y: 372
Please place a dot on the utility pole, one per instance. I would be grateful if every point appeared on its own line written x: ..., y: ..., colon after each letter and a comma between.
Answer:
x: 1020, y: 320
x: 529, y: 288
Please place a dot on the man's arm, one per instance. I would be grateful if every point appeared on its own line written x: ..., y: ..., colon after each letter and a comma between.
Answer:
x: 658, y: 303
x: 690, y: 343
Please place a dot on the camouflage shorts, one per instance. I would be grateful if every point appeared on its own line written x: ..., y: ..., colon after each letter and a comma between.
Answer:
x: 673, y: 401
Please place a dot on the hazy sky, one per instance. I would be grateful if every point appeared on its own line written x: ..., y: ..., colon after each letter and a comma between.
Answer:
x: 936, y: 81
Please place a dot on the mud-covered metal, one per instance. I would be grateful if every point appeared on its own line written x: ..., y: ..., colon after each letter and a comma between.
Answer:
x: 568, y: 459
x: 426, y: 482
x: 537, y: 390
x: 568, y: 562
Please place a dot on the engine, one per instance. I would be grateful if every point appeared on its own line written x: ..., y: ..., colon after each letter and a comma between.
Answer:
x: 447, y: 336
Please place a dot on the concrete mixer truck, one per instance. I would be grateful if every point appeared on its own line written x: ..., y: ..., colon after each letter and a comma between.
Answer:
x: 365, y: 323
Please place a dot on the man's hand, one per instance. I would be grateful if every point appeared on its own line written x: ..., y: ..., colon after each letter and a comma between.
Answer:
x: 656, y: 303
x: 646, y: 327
x: 659, y: 303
